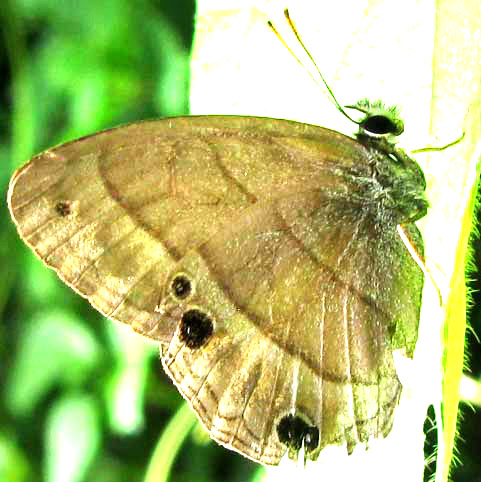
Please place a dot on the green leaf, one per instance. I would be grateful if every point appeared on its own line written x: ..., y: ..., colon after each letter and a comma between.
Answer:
x: 125, y: 388
x: 55, y: 347
x: 72, y: 438
x: 13, y: 463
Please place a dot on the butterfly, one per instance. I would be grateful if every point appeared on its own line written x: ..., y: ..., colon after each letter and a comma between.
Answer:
x: 262, y: 254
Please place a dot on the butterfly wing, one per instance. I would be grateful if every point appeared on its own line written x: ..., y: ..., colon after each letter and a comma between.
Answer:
x: 113, y: 212
x: 234, y: 242
x: 305, y: 304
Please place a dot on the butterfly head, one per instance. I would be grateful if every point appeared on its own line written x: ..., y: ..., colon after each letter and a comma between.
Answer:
x: 378, y: 120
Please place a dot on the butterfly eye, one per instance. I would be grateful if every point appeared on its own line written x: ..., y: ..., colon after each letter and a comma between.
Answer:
x: 294, y: 432
x: 378, y: 120
x: 196, y: 328
x: 181, y: 287
x: 382, y: 124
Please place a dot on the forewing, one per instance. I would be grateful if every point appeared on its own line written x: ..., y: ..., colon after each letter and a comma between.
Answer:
x: 114, y: 212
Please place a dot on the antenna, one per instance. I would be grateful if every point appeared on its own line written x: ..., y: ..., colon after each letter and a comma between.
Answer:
x: 329, y: 94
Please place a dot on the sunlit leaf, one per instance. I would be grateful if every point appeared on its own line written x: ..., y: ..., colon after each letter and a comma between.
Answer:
x: 55, y: 348
x: 72, y: 438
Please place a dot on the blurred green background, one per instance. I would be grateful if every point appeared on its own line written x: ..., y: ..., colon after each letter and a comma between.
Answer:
x: 83, y: 399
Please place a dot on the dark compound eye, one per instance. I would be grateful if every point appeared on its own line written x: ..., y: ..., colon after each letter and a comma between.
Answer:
x: 181, y: 286
x: 294, y: 432
x: 63, y: 208
x: 196, y: 328
x: 382, y: 124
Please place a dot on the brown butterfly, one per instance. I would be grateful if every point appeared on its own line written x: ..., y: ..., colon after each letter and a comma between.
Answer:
x: 261, y: 253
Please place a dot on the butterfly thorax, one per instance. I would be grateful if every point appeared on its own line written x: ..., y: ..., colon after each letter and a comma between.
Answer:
x: 395, y: 192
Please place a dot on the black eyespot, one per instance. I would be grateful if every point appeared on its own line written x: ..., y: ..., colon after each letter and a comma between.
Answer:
x: 63, y: 209
x: 294, y: 432
x: 382, y: 124
x: 181, y: 286
x: 196, y: 328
